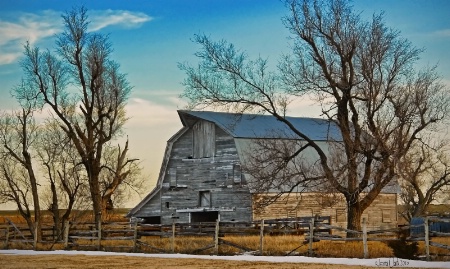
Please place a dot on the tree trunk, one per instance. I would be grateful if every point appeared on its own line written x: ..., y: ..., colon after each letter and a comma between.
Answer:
x: 55, y: 211
x: 94, y: 188
x: 96, y: 198
x: 96, y: 202
x: 420, y: 209
x: 354, y: 214
x: 35, y: 194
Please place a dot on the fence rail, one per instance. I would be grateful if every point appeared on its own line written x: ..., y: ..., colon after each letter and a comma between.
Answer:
x: 314, y: 229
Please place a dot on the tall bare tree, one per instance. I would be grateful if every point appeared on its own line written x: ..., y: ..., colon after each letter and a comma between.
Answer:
x: 361, y: 73
x: 84, y: 90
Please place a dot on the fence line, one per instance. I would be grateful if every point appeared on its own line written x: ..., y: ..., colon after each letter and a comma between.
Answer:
x: 315, y: 229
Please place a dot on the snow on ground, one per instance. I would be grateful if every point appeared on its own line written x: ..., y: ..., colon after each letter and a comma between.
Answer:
x: 379, y: 262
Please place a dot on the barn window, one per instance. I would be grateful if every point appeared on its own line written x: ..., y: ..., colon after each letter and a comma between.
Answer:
x: 386, y: 215
x: 204, y: 140
x: 205, y: 199
x: 340, y: 215
x: 237, y: 175
x: 304, y: 212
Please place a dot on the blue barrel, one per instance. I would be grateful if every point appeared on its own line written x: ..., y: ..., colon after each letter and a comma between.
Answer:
x: 440, y: 227
x: 417, y: 231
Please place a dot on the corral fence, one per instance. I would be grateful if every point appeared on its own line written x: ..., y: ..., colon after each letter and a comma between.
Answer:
x: 87, y: 235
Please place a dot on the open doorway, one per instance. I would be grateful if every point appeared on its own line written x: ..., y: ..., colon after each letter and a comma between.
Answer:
x: 210, y: 216
x: 152, y: 220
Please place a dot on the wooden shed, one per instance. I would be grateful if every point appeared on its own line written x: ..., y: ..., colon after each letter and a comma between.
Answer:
x: 201, y: 179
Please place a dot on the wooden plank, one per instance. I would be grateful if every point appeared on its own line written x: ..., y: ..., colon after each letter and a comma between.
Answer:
x: 231, y: 244
x: 439, y: 245
x: 434, y: 219
x: 365, y: 247
x: 261, y: 239
x: 118, y: 238
x: 18, y: 230
x: 203, y: 248
x: 432, y: 233
x: 152, y: 247
x: 84, y: 237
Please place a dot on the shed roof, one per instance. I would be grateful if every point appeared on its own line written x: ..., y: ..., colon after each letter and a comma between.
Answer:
x: 264, y: 126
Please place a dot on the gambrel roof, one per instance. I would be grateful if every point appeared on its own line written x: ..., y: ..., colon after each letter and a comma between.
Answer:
x: 245, y: 127
x: 264, y: 126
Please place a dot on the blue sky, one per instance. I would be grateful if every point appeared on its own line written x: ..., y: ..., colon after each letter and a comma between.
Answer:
x: 150, y: 37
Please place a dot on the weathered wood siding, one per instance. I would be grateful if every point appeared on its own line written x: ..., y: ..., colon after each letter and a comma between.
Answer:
x: 186, y: 177
x: 381, y: 214
x: 150, y: 209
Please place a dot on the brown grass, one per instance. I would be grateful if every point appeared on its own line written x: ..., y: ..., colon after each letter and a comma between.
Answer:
x: 282, y: 245
x: 273, y: 245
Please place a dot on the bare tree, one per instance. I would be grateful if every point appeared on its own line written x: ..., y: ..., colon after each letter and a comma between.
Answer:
x: 63, y: 171
x: 84, y: 90
x: 424, y: 176
x: 277, y: 167
x: 361, y: 73
x: 120, y: 174
x: 18, y: 134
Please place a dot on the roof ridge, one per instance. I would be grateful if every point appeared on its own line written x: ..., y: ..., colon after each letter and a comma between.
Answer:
x: 247, y: 114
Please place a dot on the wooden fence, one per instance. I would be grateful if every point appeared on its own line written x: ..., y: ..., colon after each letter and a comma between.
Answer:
x: 86, y: 235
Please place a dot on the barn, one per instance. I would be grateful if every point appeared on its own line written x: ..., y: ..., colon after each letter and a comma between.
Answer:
x: 201, y: 179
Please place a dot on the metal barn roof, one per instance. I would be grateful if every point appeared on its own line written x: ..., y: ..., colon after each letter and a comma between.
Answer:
x: 264, y: 126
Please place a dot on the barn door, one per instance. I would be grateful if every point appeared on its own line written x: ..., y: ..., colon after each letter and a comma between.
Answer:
x: 204, y: 140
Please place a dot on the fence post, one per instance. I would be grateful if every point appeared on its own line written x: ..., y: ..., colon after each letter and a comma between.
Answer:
x: 216, y: 239
x: 35, y: 237
x: 66, y: 234
x: 135, y: 236
x: 311, y: 237
x: 366, y: 248
x: 6, y: 236
x: 173, y: 237
x: 99, y: 236
x: 427, y: 238
x: 261, y: 239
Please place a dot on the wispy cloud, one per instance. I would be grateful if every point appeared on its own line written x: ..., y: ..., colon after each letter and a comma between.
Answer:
x: 27, y: 27
x: 442, y: 33
x: 124, y: 18
x: 34, y: 27
x: 142, y: 112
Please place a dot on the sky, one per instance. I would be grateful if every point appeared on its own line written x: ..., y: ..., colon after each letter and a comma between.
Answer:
x: 150, y: 38
x: 376, y: 263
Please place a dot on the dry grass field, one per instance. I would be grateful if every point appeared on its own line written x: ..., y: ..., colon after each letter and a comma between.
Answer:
x: 273, y: 246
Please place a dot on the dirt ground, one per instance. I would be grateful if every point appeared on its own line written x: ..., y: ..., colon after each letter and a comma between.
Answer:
x: 124, y: 262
